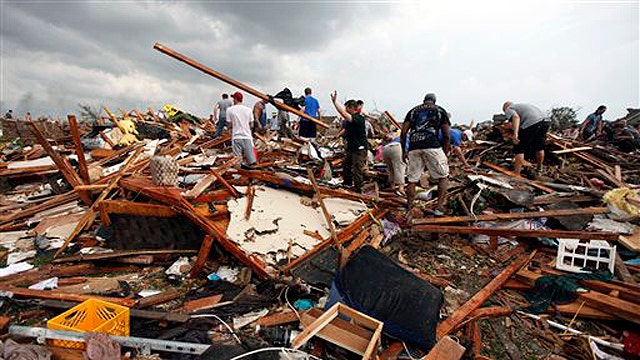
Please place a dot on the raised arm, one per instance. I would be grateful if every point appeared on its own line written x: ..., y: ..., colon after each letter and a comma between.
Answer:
x: 339, y: 108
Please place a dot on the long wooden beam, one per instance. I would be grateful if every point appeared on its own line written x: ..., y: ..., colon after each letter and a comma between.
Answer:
x: 280, y: 105
x: 516, y: 176
x: 134, y: 208
x: 60, y: 295
x: 445, y: 327
x: 564, y: 234
x: 512, y: 216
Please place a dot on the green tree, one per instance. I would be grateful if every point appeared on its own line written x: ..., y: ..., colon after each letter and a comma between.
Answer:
x: 89, y: 114
x: 563, y: 117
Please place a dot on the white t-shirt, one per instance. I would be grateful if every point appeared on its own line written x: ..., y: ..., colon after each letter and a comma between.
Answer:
x: 240, y: 117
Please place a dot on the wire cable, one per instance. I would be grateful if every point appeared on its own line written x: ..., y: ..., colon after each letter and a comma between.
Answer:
x: 219, y: 319
x: 283, y: 349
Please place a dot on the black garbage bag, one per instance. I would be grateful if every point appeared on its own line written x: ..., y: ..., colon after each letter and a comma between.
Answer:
x: 373, y: 284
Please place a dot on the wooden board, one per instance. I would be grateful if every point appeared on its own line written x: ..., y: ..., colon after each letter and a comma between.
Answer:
x: 446, y: 349
x: 446, y: 327
x: 564, y: 234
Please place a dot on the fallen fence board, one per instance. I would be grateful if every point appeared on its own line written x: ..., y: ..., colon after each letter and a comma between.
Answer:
x: 512, y: 216
x: 445, y: 327
x: 565, y: 234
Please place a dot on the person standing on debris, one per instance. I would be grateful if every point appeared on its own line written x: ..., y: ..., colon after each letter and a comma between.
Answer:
x: 241, y: 122
x: 221, y: 110
x: 356, y: 149
x: 273, y: 122
x: 392, y: 157
x: 260, y: 113
x: 308, y: 129
x: 530, y: 126
x: 422, y: 124
x: 28, y: 117
x: 9, y: 115
x: 593, y: 124
x: 457, y: 138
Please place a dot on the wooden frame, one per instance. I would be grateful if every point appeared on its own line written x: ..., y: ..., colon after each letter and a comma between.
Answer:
x: 329, y: 316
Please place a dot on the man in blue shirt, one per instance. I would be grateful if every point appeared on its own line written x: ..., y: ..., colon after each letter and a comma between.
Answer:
x: 457, y: 138
x: 593, y: 124
x: 312, y: 108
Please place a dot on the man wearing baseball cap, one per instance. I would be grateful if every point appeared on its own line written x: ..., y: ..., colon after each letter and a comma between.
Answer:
x: 241, y: 122
x: 425, y: 149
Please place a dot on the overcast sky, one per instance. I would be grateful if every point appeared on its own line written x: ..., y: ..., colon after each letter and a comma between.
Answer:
x: 473, y: 54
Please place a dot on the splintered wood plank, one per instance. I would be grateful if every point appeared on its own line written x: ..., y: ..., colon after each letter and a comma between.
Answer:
x: 445, y: 327
x: 514, y: 175
x: 135, y: 208
x: 446, y: 349
x: 119, y: 254
x: 251, y: 193
x: 203, y: 254
x: 565, y: 234
x: 75, y: 132
x: 158, y: 299
x: 61, y: 162
x: 224, y: 183
x: 201, y: 304
x: 513, y: 216
x: 473, y: 333
x: 281, y: 318
x: 59, y: 295
x: 201, y: 186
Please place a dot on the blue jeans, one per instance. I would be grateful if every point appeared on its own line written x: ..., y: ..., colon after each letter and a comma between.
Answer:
x: 220, y: 128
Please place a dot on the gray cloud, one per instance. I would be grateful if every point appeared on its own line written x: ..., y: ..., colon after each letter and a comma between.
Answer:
x: 474, y: 55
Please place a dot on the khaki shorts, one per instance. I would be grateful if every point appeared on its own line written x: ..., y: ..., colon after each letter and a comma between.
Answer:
x: 392, y: 156
x: 433, y: 159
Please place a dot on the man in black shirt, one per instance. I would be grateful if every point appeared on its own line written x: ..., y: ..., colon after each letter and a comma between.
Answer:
x: 356, y: 137
x: 425, y: 149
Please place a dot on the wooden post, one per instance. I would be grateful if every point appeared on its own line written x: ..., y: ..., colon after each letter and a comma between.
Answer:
x: 280, y: 105
x: 393, y: 120
x: 224, y: 183
x: 445, y: 327
x: 325, y: 212
x: 75, y: 133
x: 203, y: 254
x: 251, y: 193
x: 61, y: 162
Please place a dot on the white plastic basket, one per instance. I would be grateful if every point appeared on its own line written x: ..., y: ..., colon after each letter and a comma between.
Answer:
x: 575, y: 255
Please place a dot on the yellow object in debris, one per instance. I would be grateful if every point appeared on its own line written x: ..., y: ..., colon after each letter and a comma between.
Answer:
x: 618, y: 199
x: 92, y: 315
x: 170, y: 109
x: 128, y: 128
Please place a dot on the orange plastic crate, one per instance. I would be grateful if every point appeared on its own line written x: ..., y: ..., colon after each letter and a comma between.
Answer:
x: 94, y: 316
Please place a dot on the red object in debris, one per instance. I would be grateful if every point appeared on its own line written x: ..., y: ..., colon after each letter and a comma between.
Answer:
x: 596, y: 182
x: 631, y: 343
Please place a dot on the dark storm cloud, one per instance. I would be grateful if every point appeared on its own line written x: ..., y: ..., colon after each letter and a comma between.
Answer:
x: 300, y: 26
x: 119, y: 39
